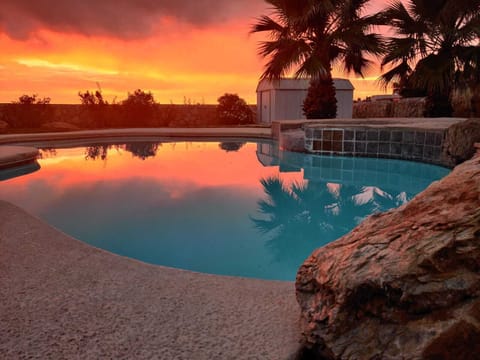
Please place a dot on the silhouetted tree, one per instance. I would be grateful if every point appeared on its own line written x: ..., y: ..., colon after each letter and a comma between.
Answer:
x: 139, y: 108
x: 233, y: 110
x: 435, y: 45
x: 321, y: 101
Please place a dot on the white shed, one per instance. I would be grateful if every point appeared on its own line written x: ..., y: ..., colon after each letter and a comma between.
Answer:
x: 283, y: 99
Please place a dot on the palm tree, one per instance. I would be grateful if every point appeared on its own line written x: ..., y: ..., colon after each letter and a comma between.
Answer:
x: 435, y: 43
x: 311, y: 36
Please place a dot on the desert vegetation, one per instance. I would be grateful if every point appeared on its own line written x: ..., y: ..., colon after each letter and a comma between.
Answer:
x: 139, y: 109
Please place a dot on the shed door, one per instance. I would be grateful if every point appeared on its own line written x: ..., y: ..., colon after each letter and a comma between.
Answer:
x: 266, y: 107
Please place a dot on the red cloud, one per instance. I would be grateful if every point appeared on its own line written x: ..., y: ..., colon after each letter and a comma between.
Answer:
x: 117, y: 18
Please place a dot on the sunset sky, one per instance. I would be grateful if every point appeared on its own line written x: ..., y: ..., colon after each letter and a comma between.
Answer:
x: 184, y: 49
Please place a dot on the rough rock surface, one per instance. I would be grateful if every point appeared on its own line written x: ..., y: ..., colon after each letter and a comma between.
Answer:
x: 292, y: 140
x: 404, y: 284
x: 459, y: 140
x: 408, y: 107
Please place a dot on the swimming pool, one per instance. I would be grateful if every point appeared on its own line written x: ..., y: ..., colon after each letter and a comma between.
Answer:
x: 232, y: 207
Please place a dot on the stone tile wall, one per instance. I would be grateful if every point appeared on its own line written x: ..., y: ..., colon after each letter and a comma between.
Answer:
x: 397, y: 143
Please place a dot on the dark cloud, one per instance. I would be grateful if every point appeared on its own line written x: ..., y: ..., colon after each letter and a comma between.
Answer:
x: 119, y: 18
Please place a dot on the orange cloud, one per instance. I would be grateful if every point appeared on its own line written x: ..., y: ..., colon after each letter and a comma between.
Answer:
x: 164, y: 48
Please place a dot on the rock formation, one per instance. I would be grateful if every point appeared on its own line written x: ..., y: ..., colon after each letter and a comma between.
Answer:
x: 402, y: 285
x: 459, y: 140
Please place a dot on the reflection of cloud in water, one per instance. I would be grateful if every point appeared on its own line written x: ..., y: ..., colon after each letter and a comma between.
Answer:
x: 182, y: 225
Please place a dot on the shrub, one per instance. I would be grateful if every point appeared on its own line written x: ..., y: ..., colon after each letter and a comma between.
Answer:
x: 97, y: 115
x: 29, y: 111
x: 233, y: 110
x: 139, y: 98
x: 90, y: 98
x: 32, y: 99
x: 139, y: 109
x: 320, y: 102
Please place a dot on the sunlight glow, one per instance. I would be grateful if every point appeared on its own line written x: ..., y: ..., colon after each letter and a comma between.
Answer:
x: 63, y: 66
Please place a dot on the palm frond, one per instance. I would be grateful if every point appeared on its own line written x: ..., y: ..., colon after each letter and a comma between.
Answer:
x: 395, y: 74
x: 284, y: 54
x: 398, y: 49
x: 266, y: 23
x: 434, y: 72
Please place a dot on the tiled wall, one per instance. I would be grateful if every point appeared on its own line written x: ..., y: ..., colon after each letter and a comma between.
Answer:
x: 409, y: 144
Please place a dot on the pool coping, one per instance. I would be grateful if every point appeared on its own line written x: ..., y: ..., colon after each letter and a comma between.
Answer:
x: 11, y: 156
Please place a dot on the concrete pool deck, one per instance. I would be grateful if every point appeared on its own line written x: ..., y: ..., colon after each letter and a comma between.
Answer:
x: 61, y: 298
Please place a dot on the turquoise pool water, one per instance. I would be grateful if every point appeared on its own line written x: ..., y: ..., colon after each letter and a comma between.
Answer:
x: 237, y: 208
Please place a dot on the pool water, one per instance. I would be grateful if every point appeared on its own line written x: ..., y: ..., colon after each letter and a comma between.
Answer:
x: 237, y: 208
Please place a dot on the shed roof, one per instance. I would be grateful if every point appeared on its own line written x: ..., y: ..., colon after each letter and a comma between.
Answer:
x: 299, y: 84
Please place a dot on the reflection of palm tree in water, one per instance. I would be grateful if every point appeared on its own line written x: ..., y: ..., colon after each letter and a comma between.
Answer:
x: 300, y: 218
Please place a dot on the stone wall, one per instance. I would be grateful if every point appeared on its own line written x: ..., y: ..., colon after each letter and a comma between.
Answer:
x: 409, y: 107
x: 83, y: 116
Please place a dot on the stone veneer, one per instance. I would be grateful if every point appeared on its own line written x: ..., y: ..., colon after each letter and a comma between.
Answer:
x: 400, y: 143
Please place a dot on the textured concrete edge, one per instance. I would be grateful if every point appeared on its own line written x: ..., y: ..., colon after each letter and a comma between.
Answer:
x: 12, y: 156
x: 55, y: 289
x: 252, y: 132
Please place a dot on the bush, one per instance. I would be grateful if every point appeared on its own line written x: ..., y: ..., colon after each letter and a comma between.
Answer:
x: 232, y: 110
x: 139, y: 109
x: 28, y: 112
x: 96, y: 109
x: 139, y: 98
x: 320, y: 102
x: 32, y: 99
x: 89, y: 98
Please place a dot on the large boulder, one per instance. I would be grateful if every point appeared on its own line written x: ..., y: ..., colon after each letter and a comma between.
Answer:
x: 402, y: 285
x: 459, y: 140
